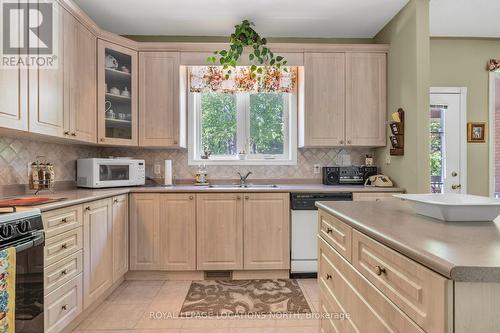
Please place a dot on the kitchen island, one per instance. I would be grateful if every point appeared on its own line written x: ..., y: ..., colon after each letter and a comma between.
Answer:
x: 389, y: 267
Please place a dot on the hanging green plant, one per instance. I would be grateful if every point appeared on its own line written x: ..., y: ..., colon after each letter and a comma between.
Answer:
x: 260, y: 55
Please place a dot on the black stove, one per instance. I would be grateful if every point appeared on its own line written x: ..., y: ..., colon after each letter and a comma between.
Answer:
x: 24, y: 232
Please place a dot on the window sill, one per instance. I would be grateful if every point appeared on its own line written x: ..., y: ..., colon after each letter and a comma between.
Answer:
x: 242, y: 162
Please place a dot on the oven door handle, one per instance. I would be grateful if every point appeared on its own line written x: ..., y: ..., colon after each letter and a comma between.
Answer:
x: 37, y: 238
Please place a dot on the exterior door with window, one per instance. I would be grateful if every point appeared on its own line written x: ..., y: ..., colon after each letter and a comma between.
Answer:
x: 446, y: 143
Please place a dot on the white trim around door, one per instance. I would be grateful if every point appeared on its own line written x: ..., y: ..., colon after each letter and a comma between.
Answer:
x: 462, y: 91
x: 491, y: 133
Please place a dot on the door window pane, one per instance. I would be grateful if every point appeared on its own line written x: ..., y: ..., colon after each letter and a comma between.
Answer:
x: 267, y: 123
x: 437, y: 150
x: 218, y: 123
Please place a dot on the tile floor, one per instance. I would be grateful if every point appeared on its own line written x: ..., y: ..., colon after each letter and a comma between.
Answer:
x: 153, y: 307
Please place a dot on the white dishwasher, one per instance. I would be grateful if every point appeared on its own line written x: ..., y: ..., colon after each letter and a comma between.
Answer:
x: 304, y: 256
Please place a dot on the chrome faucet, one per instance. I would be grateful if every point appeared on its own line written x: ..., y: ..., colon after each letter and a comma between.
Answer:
x: 243, y: 179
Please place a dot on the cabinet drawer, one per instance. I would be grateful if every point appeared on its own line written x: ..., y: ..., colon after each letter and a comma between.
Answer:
x: 421, y: 293
x: 62, y: 271
x: 63, y: 305
x: 349, y: 292
x: 373, y: 196
x: 62, y: 245
x: 336, y: 233
x: 61, y: 220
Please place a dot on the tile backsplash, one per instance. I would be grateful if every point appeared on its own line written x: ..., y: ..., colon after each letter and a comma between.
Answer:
x: 16, y: 153
x: 306, y: 159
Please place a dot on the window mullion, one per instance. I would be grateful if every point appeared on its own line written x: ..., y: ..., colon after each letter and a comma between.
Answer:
x: 241, y: 123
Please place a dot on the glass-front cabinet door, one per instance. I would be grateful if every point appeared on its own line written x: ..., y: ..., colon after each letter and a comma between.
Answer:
x: 117, y: 119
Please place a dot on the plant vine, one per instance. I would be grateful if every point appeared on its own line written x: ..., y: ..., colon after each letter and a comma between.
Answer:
x: 260, y: 55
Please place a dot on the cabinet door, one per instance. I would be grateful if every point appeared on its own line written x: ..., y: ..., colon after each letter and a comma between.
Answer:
x: 14, y: 97
x: 144, y: 222
x: 116, y: 94
x: 120, y: 236
x: 219, y: 231
x: 177, y: 232
x: 266, y: 231
x: 80, y: 63
x: 97, y: 250
x: 322, y: 122
x: 46, y: 88
x: 366, y: 99
x: 159, y: 103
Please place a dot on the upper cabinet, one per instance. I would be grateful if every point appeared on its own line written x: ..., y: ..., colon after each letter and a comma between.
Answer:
x: 366, y: 99
x: 46, y: 88
x: 80, y: 80
x: 117, y: 95
x: 161, y: 120
x: 344, y: 100
x: 323, y: 117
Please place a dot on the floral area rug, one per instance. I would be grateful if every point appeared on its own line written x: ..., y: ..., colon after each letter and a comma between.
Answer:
x: 214, y: 297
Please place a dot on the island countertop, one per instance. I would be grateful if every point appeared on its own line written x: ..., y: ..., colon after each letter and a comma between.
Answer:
x: 461, y: 251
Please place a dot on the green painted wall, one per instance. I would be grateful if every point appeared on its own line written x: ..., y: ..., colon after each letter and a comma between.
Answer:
x: 408, y: 87
x: 217, y: 39
x: 461, y: 62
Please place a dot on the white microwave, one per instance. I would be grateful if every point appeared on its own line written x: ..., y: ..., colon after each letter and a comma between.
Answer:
x: 109, y: 172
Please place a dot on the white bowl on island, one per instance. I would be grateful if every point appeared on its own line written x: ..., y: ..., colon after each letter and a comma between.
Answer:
x: 454, y: 206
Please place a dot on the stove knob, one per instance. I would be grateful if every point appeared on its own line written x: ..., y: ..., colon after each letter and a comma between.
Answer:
x: 23, y: 227
x: 6, y: 231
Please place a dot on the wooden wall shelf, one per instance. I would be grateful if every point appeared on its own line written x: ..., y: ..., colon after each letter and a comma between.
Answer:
x: 397, y: 137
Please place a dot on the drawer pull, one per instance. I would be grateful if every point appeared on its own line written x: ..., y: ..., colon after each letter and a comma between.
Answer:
x: 329, y: 230
x: 87, y: 208
x: 191, y: 197
x: 64, y: 272
x: 379, y: 270
x: 64, y: 220
x: 328, y: 277
x: 64, y: 307
x: 64, y: 246
x: 115, y: 201
x: 238, y: 198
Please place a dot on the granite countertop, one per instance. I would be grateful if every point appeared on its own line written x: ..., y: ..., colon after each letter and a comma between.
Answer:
x: 461, y: 251
x: 78, y: 196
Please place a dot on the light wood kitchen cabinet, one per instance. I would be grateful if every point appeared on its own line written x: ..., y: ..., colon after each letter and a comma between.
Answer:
x: 46, y: 88
x: 163, y: 232
x: 80, y: 70
x: 177, y: 232
x: 344, y: 100
x: 219, y: 231
x: 97, y: 250
x: 117, y: 116
x: 14, y: 96
x: 266, y: 231
x: 144, y: 223
x: 366, y: 99
x: 161, y: 120
x: 120, y: 236
x: 321, y: 122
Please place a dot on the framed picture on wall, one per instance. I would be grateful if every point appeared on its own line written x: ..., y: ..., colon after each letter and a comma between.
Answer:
x: 476, y: 132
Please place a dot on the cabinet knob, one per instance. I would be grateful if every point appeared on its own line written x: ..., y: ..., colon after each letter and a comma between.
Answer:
x: 64, y: 220
x: 64, y: 246
x: 64, y: 307
x: 101, y: 139
x: 456, y: 186
x: 66, y: 132
x: 238, y: 198
x: 73, y: 134
x: 379, y: 270
x: 247, y: 197
x: 115, y: 201
x: 328, y: 277
x: 191, y: 197
x: 87, y: 208
x: 341, y: 142
x: 349, y: 142
x: 329, y: 230
x: 64, y: 272
x: 175, y: 142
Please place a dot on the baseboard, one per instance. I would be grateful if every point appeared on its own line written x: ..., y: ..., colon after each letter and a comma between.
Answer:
x: 200, y: 275
x: 266, y: 274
